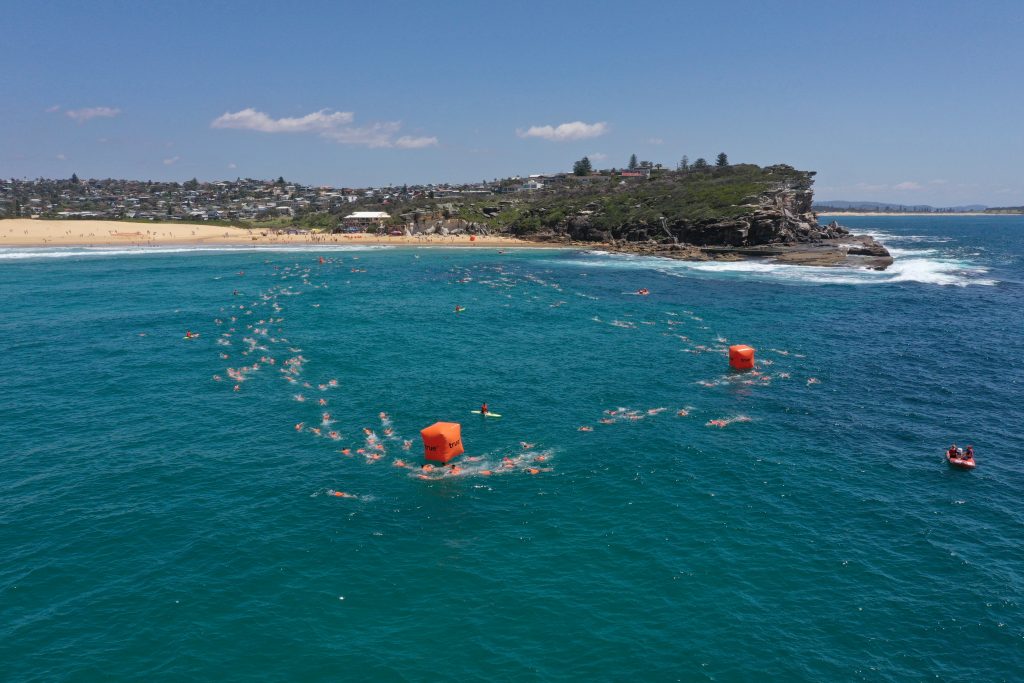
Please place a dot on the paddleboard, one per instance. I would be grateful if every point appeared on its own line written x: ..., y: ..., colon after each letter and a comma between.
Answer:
x: 488, y: 414
x: 194, y: 336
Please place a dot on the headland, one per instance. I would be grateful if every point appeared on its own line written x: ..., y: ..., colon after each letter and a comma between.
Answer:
x: 700, y: 212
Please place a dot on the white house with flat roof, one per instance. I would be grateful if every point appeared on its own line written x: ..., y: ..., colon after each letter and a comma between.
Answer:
x: 367, y: 218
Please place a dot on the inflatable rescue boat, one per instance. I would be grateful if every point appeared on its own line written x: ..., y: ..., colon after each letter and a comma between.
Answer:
x: 962, y: 463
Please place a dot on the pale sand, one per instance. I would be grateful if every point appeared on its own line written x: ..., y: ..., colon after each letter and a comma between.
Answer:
x: 29, y: 232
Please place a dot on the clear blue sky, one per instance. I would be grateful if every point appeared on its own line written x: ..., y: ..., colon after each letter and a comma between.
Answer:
x: 914, y: 102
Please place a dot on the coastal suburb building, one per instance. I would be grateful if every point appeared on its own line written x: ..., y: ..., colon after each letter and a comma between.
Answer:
x: 365, y: 219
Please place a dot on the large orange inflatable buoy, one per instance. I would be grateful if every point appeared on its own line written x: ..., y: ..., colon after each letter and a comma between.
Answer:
x: 741, y: 357
x: 442, y: 441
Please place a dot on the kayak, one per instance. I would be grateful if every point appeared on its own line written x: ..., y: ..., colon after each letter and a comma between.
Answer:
x: 962, y: 463
x: 487, y: 414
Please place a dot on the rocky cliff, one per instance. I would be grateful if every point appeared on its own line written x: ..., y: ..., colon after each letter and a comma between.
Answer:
x: 732, y: 212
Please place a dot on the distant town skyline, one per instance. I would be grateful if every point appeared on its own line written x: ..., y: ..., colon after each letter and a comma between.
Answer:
x: 909, y: 102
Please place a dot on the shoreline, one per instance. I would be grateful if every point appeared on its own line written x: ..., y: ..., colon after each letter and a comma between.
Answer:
x: 912, y: 213
x: 31, y: 232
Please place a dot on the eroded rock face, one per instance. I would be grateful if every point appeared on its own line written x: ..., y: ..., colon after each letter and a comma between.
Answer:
x: 781, y: 215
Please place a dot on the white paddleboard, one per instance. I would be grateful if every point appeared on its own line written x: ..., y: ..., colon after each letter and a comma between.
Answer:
x: 488, y: 414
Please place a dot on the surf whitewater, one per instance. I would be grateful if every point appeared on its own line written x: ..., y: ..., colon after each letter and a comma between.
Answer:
x: 251, y: 501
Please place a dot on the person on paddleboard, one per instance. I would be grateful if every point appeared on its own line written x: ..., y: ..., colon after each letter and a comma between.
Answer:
x: 483, y: 409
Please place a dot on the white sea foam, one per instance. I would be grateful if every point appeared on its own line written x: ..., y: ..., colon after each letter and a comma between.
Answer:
x: 925, y: 266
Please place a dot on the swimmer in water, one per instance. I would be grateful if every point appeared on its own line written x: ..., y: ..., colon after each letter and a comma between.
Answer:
x: 455, y: 469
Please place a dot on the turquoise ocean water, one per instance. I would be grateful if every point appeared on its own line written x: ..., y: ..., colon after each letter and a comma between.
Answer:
x: 637, y: 512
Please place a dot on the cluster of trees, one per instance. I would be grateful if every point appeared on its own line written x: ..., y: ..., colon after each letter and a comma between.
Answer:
x: 684, y: 163
x: 584, y: 167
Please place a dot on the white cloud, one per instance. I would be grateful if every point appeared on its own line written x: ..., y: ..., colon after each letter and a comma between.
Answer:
x: 575, y: 130
x: 54, y: 108
x: 83, y: 115
x: 330, y: 125
x: 409, y: 142
x: 250, y: 119
x: 171, y: 161
x: 232, y: 165
x: 908, y: 185
x: 870, y: 187
x: 374, y: 135
x: 61, y: 157
x: 597, y: 156
x: 655, y: 141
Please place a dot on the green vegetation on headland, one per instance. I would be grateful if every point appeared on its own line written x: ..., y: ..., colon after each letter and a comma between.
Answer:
x: 618, y: 205
x: 701, y: 209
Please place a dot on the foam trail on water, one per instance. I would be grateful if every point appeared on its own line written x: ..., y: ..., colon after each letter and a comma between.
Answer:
x: 909, y: 266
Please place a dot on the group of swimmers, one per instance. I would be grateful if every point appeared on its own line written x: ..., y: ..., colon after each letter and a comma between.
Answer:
x: 960, y: 453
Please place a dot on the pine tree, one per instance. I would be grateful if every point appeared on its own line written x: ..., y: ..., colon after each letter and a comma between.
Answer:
x: 684, y: 164
x: 722, y: 160
x: 700, y: 163
x: 632, y: 162
x: 582, y: 167
x: 74, y: 178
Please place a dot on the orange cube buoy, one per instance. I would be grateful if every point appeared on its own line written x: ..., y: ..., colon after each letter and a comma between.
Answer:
x: 442, y: 441
x: 741, y: 357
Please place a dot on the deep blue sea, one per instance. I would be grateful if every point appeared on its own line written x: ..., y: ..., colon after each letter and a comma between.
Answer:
x: 170, y: 509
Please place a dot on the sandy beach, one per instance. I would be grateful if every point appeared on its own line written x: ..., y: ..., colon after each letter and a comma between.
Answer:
x: 28, y: 232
